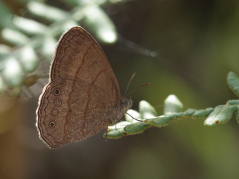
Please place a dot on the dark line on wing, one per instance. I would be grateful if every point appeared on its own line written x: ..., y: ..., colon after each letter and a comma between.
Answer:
x: 56, y: 65
x: 74, y: 81
x: 41, y: 123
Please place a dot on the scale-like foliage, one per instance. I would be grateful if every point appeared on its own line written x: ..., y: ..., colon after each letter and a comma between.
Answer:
x: 137, y: 122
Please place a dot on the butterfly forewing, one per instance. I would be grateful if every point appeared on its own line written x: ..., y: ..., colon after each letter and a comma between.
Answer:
x: 79, y: 56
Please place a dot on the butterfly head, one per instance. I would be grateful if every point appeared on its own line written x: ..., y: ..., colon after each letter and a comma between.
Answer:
x: 126, y: 104
x: 121, y: 109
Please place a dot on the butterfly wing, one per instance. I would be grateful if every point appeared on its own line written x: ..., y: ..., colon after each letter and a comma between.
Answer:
x: 82, y: 92
x: 79, y: 56
x: 71, y: 111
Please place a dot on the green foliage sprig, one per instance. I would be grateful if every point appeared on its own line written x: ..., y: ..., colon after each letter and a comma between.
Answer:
x: 173, y: 111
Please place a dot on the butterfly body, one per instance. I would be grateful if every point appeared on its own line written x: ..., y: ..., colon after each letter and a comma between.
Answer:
x: 82, y: 96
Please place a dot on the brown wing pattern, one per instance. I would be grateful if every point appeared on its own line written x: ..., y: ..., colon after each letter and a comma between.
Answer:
x: 82, y: 92
x: 74, y: 114
x: 79, y: 56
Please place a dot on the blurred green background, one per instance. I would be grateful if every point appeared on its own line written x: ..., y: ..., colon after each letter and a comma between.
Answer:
x: 182, y: 47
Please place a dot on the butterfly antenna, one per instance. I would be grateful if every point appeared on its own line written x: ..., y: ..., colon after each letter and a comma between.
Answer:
x: 137, y: 89
x: 129, y: 83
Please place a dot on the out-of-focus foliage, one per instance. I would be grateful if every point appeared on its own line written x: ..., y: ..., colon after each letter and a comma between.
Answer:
x: 30, y: 40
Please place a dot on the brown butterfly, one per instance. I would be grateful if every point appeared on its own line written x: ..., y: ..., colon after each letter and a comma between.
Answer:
x: 82, y: 96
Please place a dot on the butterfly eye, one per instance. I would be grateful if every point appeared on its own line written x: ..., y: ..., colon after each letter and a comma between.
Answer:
x: 52, y: 124
x: 123, y: 102
x: 57, y: 91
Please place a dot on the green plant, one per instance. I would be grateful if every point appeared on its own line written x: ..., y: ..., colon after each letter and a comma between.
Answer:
x: 31, y: 41
x: 173, y: 111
